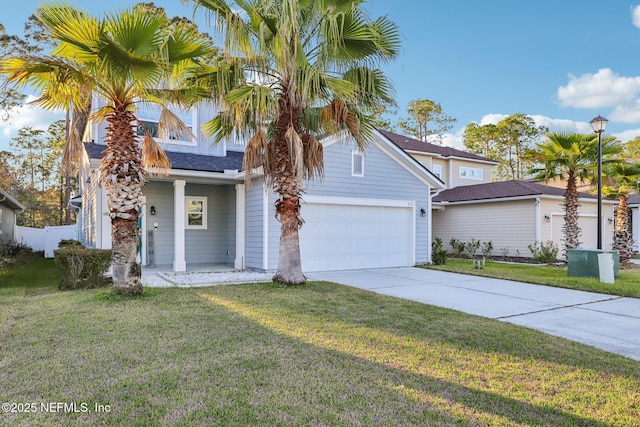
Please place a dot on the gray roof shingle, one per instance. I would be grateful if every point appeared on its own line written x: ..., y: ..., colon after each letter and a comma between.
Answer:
x: 500, y: 190
x: 186, y: 161
x: 406, y: 143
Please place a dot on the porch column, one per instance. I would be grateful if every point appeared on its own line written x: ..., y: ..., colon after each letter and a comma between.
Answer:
x: 179, y: 212
x: 240, y: 222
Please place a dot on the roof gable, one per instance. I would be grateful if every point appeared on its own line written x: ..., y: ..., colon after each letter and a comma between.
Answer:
x: 501, y: 190
x: 411, y: 144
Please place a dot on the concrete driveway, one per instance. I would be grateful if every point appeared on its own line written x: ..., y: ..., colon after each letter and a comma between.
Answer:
x: 607, y: 322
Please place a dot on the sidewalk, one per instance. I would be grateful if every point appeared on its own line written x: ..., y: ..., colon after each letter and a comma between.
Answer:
x: 607, y: 322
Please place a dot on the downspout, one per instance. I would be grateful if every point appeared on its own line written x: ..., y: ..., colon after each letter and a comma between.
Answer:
x: 538, y: 219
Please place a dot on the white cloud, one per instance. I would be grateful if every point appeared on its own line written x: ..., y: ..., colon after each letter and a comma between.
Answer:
x: 627, y: 135
x: 492, y: 119
x: 635, y: 16
x: 26, y: 115
x: 626, y: 113
x: 602, y: 89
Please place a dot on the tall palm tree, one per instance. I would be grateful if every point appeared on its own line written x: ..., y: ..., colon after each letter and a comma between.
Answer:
x: 309, y: 68
x: 128, y: 57
x: 572, y: 157
x: 621, y: 180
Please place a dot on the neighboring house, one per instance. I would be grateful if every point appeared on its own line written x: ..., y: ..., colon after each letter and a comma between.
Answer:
x: 634, y: 205
x: 454, y: 167
x: 370, y: 209
x: 8, y: 209
x: 514, y: 214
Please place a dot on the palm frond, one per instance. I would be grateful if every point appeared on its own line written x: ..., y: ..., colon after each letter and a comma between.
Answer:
x: 154, y: 158
x: 171, y: 126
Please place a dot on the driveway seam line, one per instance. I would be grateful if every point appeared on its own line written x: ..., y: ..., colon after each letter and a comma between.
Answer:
x: 579, y: 305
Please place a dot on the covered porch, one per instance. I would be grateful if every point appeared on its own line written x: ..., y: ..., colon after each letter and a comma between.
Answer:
x: 193, y: 225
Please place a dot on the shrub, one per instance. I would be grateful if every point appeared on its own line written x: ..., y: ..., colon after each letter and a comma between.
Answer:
x: 487, y: 248
x: 546, y: 252
x: 13, y: 249
x: 69, y: 242
x: 504, y: 252
x: 82, y: 268
x: 472, y: 247
x: 438, y: 252
x: 456, y: 247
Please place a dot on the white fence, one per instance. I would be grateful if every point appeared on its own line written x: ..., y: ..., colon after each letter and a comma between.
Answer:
x: 45, y: 239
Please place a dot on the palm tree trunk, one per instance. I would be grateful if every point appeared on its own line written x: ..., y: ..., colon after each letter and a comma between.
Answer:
x: 123, y: 177
x: 571, y: 229
x: 622, y: 239
x: 286, y: 184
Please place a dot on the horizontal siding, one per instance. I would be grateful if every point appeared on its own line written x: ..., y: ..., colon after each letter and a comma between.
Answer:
x: 202, y: 246
x: 383, y: 178
x: 457, y: 181
x: 509, y: 225
x: 253, y: 225
x: 160, y: 195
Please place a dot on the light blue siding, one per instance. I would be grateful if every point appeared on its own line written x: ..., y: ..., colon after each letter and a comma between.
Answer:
x: 254, y: 225
x: 202, y: 246
x: 383, y: 178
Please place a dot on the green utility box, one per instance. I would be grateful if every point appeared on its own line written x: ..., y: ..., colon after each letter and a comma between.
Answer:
x: 584, y: 262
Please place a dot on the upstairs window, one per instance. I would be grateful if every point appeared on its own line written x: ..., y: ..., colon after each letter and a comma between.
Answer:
x: 357, y: 163
x: 149, y: 116
x: 437, y: 171
x: 470, y: 173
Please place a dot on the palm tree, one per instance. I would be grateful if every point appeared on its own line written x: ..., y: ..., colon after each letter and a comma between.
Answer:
x: 572, y: 157
x: 309, y: 71
x: 137, y: 55
x: 621, y: 180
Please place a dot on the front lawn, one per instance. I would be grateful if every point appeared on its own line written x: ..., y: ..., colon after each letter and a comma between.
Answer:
x: 627, y: 284
x: 322, y: 354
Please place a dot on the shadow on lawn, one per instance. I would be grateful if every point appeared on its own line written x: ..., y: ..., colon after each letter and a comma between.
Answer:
x: 441, y: 358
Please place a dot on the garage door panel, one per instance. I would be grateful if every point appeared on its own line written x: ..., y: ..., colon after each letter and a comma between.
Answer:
x: 337, y: 237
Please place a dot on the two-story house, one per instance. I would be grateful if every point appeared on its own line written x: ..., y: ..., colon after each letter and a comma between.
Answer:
x: 371, y: 209
x: 511, y: 214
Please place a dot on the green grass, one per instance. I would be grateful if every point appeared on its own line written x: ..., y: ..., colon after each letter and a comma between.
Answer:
x: 627, y: 283
x: 322, y: 354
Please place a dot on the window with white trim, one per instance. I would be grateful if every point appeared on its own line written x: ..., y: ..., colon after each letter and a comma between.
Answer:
x: 437, y: 170
x: 149, y: 116
x: 357, y: 163
x: 196, y: 217
x: 470, y: 173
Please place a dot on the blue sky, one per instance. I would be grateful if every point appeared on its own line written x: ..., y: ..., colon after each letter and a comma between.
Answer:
x: 561, y: 62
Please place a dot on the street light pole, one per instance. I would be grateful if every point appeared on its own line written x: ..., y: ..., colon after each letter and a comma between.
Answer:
x: 599, y: 124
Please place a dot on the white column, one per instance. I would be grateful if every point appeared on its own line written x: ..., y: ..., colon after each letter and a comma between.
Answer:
x: 179, y: 212
x: 240, y: 226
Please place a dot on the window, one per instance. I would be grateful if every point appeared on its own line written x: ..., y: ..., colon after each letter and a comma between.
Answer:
x: 196, y: 212
x: 149, y: 115
x: 357, y: 163
x: 437, y: 171
x: 470, y: 173
x: 0, y: 222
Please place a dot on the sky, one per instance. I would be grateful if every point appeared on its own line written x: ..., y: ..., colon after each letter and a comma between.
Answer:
x: 560, y: 62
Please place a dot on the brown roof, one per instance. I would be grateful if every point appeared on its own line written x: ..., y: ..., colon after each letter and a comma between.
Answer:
x: 501, y: 190
x: 407, y: 143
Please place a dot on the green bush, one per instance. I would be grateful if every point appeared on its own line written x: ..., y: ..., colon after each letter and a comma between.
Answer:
x: 487, y: 249
x: 457, y: 247
x: 13, y: 249
x: 69, y: 242
x: 546, y: 252
x: 472, y: 247
x: 438, y: 252
x: 82, y: 268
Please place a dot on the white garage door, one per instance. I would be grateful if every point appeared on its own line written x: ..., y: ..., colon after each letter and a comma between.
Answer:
x: 349, y: 236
